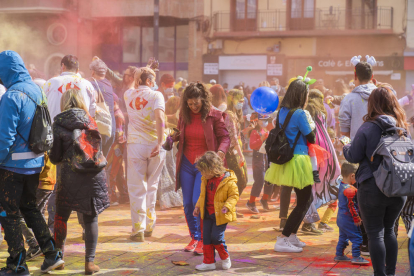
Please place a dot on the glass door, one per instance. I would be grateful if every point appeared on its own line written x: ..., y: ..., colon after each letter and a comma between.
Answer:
x: 244, y: 13
x: 301, y: 14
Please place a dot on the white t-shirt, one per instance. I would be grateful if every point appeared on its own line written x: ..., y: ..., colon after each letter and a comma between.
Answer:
x: 55, y: 87
x: 141, y: 105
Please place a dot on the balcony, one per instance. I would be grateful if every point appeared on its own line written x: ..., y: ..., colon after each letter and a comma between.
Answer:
x: 327, y: 21
x: 35, y: 6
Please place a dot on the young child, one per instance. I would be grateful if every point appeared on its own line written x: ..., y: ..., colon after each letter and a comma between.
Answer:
x: 348, y: 219
x: 259, y: 160
x: 217, y: 206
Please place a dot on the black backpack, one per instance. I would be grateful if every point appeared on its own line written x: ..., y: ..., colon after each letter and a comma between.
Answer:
x: 277, y: 147
x: 41, y: 133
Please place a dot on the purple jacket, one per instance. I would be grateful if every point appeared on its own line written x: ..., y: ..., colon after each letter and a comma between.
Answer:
x: 215, y: 131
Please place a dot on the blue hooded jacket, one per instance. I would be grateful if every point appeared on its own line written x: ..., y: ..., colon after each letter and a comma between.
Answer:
x: 16, y: 115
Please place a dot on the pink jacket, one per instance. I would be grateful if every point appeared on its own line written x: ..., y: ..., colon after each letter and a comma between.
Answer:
x: 215, y: 131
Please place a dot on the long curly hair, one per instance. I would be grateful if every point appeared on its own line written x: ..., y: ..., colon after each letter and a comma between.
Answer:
x: 195, y: 91
x: 315, y: 103
x: 382, y: 101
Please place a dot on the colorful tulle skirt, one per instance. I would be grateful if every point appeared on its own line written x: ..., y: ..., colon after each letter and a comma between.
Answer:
x: 296, y: 173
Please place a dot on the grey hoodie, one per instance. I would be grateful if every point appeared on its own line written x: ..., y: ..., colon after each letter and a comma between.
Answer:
x: 353, y: 108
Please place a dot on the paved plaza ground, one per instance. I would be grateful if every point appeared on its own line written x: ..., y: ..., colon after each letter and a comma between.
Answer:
x: 250, y: 243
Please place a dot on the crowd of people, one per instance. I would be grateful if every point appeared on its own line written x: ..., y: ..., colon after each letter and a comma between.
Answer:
x: 128, y: 140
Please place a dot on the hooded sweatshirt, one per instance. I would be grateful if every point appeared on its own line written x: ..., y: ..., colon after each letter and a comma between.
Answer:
x: 353, y: 108
x: 16, y: 116
x: 363, y: 145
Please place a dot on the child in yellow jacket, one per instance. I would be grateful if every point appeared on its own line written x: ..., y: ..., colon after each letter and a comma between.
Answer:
x: 217, y: 207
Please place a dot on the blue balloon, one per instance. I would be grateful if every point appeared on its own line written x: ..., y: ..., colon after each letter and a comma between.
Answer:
x: 264, y: 100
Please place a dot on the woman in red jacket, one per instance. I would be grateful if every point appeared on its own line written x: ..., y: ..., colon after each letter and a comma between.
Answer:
x: 201, y: 129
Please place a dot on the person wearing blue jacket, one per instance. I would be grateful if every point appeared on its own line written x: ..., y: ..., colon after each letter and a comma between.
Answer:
x: 20, y: 167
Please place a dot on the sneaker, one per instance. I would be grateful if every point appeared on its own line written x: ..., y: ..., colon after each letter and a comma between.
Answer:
x: 33, y: 252
x: 359, y: 261
x: 365, y: 250
x: 22, y: 270
x: 147, y: 234
x: 325, y: 227
x: 342, y: 259
x: 282, y: 224
x: 138, y: 237
x: 239, y: 215
x: 316, y: 178
x: 252, y: 207
x: 310, y: 229
x: 265, y: 205
x: 199, y: 248
x: 50, y: 264
x: 191, y: 246
x: 115, y: 203
x: 294, y: 240
x: 226, y: 264
x: 204, y: 267
x: 283, y: 245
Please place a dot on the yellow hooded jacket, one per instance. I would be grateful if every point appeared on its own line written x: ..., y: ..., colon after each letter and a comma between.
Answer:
x: 227, y: 194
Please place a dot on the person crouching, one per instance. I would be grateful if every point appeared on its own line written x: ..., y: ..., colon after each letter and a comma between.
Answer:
x: 217, y: 206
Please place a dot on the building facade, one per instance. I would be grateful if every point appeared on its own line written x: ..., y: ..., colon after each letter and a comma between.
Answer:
x: 232, y: 41
x: 254, y: 40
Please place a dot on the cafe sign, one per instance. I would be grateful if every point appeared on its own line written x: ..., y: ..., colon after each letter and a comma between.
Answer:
x: 394, y: 63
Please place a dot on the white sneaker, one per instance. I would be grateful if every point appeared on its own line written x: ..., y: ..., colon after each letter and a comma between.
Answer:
x: 204, y: 267
x: 283, y: 245
x: 226, y: 264
x: 294, y: 240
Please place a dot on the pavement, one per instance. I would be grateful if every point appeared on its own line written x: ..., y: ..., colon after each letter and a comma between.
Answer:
x: 250, y: 243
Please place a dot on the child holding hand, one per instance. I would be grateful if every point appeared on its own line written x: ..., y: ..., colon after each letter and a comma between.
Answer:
x: 348, y: 219
x: 217, y: 207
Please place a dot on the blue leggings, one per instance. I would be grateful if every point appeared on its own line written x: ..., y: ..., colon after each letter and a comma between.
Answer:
x: 190, y: 179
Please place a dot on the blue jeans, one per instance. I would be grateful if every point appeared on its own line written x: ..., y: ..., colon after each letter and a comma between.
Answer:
x: 259, y: 162
x: 348, y: 231
x: 379, y: 214
x: 411, y: 251
x: 190, y: 179
x: 213, y: 239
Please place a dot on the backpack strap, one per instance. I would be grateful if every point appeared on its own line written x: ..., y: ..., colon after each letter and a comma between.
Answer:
x: 389, y: 129
x: 286, y: 122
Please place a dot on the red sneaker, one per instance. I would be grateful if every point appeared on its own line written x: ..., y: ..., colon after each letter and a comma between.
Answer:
x: 199, y: 249
x: 191, y: 246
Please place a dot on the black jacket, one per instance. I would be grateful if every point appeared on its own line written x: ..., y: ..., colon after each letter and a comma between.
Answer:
x: 82, y: 192
x: 365, y: 142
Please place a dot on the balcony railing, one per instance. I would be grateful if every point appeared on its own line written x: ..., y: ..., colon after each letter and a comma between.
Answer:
x: 318, y: 19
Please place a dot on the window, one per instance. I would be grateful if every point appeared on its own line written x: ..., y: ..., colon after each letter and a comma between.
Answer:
x: 147, y: 43
x: 244, y: 15
x: 131, y: 44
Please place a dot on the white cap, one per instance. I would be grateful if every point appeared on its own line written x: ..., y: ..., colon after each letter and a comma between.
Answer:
x: 213, y: 81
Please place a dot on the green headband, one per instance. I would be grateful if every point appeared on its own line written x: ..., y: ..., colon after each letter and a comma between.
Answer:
x: 306, y: 80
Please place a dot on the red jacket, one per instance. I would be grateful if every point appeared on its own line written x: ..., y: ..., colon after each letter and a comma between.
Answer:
x: 215, y: 131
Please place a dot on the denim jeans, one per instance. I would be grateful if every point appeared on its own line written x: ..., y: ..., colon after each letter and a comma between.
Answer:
x: 18, y: 197
x: 259, y: 162
x: 213, y: 238
x: 190, y: 179
x: 379, y: 213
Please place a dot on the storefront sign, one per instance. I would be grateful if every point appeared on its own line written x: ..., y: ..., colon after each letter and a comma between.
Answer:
x: 242, y: 62
x: 275, y: 69
x: 211, y: 68
x: 395, y: 63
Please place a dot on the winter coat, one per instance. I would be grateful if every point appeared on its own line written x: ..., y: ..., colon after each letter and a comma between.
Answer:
x: 16, y: 115
x: 227, y: 195
x: 82, y: 192
x: 353, y: 108
x: 365, y: 142
x: 215, y: 132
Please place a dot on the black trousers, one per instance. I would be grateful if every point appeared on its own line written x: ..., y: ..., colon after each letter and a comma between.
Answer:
x: 304, y: 199
x: 18, y: 193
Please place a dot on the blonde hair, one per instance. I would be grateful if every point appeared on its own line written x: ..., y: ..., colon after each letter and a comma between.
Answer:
x: 72, y: 98
x: 141, y: 75
x: 264, y: 83
x: 212, y: 163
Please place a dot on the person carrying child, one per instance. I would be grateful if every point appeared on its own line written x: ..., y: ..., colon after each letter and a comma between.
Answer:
x: 216, y: 207
x: 348, y: 219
